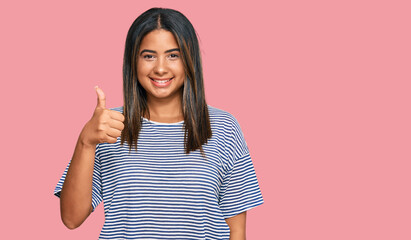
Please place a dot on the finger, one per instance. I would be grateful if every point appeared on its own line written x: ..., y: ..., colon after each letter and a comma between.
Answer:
x: 114, y: 133
x: 116, y: 124
x: 116, y: 115
x: 101, y: 97
x: 110, y: 139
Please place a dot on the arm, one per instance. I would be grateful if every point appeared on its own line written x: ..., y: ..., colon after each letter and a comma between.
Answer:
x: 237, y: 226
x: 75, y: 196
x: 76, y: 193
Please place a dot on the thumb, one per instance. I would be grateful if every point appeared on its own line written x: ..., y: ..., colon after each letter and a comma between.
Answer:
x: 101, y: 97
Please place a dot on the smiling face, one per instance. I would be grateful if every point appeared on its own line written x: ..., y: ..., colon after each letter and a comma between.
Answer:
x: 159, y: 60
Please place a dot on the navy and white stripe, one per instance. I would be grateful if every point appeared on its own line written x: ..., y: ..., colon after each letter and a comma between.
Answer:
x: 159, y: 192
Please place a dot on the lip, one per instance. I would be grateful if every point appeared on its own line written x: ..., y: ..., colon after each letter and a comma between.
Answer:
x: 161, y: 85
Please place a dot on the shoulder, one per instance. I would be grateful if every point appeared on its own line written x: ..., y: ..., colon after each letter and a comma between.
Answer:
x: 217, y: 116
x: 226, y: 128
x: 221, y: 117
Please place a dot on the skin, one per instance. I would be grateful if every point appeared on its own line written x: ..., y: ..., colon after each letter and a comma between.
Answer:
x: 237, y: 226
x: 164, y: 102
x: 75, y: 197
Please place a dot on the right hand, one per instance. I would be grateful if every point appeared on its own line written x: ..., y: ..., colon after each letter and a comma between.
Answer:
x: 104, y: 126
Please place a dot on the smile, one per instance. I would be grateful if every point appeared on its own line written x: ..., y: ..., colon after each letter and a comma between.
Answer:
x: 161, y: 82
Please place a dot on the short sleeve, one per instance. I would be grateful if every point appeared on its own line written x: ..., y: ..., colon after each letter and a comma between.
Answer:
x: 240, y: 190
x: 96, y: 197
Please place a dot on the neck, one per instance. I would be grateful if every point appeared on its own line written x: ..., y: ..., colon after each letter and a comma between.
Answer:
x: 165, y: 110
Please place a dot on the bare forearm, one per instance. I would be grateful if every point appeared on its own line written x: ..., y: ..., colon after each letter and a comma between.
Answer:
x: 237, y: 226
x: 75, y: 197
x: 237, y: 235
x: 105, y: 126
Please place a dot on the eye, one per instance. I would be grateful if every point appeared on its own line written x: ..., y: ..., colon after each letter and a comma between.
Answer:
x: 174, y: 56
x: 148, y: 56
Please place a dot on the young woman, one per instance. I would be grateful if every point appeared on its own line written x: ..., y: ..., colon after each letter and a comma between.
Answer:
x: 166, y: 164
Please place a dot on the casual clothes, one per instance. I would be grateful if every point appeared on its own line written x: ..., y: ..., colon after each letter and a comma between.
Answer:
x: 159, y: 192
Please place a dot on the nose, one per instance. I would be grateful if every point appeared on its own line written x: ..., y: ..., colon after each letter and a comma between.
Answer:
x: 160, y: 67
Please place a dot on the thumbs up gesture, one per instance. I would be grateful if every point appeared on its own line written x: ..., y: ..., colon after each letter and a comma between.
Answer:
x: 104, y: 126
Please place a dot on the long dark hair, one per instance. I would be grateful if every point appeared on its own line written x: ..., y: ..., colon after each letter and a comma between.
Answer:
x: 195, y: 111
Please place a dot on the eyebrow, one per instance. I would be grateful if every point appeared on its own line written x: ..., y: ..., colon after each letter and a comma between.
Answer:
x: 152, y: 51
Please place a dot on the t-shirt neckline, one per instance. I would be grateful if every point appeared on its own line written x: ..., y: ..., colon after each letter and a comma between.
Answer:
x: 162, y: 123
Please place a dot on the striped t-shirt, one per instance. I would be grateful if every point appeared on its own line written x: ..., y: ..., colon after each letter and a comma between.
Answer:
x: 160, y: 192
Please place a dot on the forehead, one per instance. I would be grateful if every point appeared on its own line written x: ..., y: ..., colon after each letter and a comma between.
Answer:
x: 158, y: 40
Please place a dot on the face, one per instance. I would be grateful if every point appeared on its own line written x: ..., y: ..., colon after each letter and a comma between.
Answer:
x: 160, y: 69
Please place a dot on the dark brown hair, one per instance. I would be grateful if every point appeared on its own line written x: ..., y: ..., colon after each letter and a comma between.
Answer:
x: 195, y: 111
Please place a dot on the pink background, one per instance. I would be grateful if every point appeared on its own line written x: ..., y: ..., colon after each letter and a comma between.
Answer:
x: 321, y: 90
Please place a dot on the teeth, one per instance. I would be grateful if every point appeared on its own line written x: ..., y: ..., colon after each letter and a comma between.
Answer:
x: 163, y: 81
